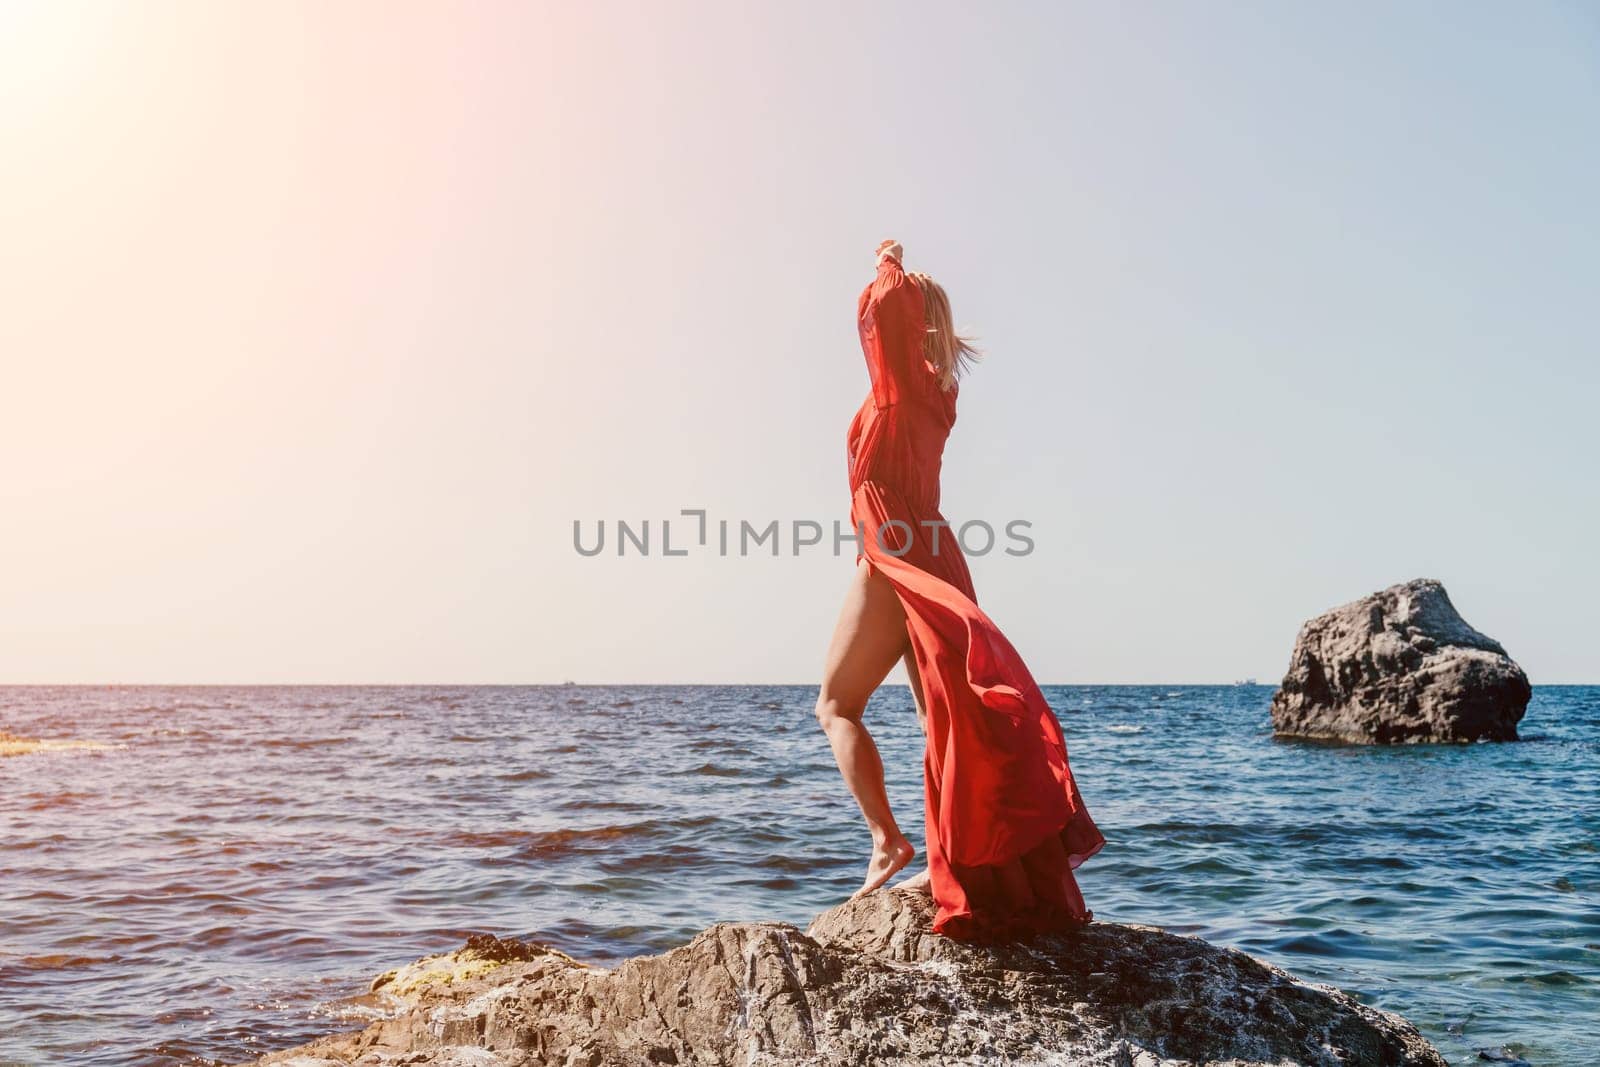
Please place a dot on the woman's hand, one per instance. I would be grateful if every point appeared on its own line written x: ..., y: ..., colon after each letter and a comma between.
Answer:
x: 890, y: 247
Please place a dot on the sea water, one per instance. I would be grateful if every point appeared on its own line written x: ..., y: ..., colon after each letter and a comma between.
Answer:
x: 241, y: 860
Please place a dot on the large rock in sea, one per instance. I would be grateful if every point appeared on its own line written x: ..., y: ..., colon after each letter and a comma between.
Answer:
x: 1399, y: 666
x: 868, y: 983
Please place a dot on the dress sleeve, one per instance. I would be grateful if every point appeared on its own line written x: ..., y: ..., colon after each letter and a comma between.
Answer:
x: 891, y: 331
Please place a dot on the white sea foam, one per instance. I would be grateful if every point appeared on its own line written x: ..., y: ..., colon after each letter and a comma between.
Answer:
x: 1124, y: 728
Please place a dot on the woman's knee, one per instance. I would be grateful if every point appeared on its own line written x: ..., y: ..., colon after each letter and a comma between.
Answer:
x: 832, y: 707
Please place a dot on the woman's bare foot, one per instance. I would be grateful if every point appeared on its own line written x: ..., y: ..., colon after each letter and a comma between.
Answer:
x: 917, y: 883
x: 887, y: 860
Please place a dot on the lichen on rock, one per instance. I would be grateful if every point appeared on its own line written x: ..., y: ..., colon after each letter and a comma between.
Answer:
x: 481, y: 954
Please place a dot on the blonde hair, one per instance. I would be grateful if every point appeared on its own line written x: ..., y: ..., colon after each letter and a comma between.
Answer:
x: 951, y: 354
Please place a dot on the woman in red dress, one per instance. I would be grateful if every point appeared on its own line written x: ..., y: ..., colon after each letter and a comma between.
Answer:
x: 1005, y: 826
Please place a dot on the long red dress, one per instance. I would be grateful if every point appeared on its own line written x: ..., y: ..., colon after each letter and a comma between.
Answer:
x: 1005, y: 824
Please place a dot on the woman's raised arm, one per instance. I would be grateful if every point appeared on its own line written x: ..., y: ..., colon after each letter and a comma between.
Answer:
x: 892, y: 327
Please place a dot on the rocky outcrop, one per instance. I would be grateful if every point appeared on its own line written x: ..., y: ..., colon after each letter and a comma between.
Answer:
x: 1399, y: 666
x: 868, y: 983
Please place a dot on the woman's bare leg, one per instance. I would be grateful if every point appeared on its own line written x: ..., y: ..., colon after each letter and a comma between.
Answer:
x: 918, y: 882
x: 915, y: 675
x: 869, y: 637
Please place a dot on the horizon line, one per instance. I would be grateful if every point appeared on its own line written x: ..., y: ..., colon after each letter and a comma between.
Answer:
x: 613, y: 685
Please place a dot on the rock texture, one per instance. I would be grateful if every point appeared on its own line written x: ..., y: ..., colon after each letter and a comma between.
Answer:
x: 1399, y: 666
x: 869, y: 984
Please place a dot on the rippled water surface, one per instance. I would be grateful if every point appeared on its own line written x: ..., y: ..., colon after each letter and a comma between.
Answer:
x: 210, y: 887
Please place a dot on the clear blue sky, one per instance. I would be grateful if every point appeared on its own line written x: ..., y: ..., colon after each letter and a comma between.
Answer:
x: 330, y: 321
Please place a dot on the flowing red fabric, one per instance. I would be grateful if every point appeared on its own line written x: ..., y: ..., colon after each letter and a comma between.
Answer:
x: 1005, y: 824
